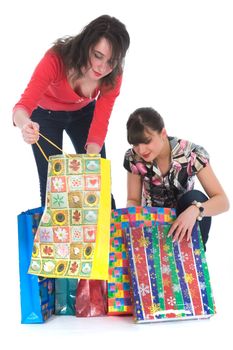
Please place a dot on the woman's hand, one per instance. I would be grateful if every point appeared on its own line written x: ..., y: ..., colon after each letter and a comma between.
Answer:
x: 183, y: 225
x: 30, y: 132
x: 93, y: 148
x: 29, y: 129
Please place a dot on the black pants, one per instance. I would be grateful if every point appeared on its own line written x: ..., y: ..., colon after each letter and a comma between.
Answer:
x: 185, y: 201
x: 52, y: 124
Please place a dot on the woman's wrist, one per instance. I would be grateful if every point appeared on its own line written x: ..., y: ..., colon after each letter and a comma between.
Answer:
x: 200, y: 209
x: 20, y: 118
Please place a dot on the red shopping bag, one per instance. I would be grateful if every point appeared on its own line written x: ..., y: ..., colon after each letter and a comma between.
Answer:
x: 91, y: 298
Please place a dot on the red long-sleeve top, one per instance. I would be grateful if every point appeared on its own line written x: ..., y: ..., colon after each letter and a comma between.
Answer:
x: 50, y: 89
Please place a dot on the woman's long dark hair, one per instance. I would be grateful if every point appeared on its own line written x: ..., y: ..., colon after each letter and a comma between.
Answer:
x: 75, y: 50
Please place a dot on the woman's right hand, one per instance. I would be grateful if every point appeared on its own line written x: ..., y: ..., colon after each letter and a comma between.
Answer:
x: 29, y: 129
x: 30, y: 132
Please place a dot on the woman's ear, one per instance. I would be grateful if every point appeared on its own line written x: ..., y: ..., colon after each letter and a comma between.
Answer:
x: 164, y: 133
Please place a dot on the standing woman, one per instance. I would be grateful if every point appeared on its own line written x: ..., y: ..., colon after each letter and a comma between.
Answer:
x: 73, y: 88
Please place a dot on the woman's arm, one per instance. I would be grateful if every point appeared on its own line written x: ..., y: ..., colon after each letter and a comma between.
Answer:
x: 218, y: 201
x: 216, y: 204
x: 134, y: 190
x: 102, y: 113
x: 48, y: 70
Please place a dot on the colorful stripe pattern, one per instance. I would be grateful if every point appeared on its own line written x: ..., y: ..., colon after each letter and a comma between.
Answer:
x: 119, y: 291
x: 169, y: 280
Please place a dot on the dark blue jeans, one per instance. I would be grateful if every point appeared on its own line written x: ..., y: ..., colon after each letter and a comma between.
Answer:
x: 52, y: 124
x: 185, y: 201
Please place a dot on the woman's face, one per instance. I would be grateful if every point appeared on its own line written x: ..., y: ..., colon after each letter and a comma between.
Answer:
x: 153, y: 147
x: 100, y: 60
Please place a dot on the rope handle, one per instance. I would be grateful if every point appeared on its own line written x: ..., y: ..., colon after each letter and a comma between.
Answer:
x: 53, y: 144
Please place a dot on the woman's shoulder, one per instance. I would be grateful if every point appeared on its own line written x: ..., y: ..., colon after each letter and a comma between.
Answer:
x: 52, y: 56
x: 53, y: 63
x: 182, y: 147
x: 129, y: 155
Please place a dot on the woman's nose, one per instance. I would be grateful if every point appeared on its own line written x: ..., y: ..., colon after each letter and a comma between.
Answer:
x: 141, y: 148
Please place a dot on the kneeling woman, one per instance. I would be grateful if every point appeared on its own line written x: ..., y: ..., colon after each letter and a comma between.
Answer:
x: 161, y: 173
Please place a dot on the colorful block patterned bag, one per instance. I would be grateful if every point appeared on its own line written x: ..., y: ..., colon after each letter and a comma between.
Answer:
x: 170, y: 281
x: 36, y: 294
x: 72, y: 240
x: 119, y: 293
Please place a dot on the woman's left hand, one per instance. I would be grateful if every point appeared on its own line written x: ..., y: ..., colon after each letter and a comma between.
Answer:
x: 93, y: 148
x: 184, y: 223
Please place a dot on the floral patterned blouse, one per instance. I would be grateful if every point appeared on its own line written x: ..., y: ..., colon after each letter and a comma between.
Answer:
x: 187, y: 159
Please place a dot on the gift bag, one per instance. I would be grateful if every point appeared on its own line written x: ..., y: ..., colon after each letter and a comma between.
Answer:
x: 91, y: 298
x: 119, y: 293
x: 119, y: 284
x: 72, y: 240
x: 65, y: 294
x: 36, y: 294
x: 170, y: 280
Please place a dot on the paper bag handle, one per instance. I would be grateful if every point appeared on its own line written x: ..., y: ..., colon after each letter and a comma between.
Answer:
x: 53, y: 144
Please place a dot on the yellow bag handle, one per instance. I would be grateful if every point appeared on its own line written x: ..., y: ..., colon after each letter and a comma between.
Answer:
x: 53, y: 144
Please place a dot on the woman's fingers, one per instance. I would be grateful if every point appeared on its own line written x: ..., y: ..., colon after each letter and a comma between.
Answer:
x: 30, y: 132
x: 179, y: 231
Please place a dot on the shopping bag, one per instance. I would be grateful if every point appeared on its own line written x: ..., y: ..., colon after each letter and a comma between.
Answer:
x: 119, y: 284
x: 119, y: 290
x: 170, y: 280
x: 65, y: 294
x: 72, y: 240
x: 36, y: 294
x: 91, y: 298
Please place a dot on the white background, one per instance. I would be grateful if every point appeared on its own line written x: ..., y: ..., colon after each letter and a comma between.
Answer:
x: 180, y: 62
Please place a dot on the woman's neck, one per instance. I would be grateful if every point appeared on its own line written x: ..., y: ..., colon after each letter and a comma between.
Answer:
x: 163, y: 161
x: 165, y: 153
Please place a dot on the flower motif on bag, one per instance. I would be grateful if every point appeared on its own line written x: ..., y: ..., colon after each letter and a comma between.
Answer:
x: 74, y: 267
x: 75, y: 165
x: 47, y: 250
x: 144, y: 289
x: 58, y: 184
x: 76, y: 216
x: 171, y: 301
x: 62, y: 250
x: 49, y: 266
x: 61, y: 234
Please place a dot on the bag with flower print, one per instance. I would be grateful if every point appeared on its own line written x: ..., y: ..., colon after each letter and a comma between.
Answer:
x: 72, y: 240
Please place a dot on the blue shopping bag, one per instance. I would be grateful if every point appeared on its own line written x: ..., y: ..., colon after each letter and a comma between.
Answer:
x: 36, y: 293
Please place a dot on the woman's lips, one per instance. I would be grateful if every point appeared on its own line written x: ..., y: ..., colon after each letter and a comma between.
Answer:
x: 147, y: 155
x: 97, y: 74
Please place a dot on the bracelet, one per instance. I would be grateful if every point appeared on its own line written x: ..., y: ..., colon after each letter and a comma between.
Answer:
x: 201, y: 210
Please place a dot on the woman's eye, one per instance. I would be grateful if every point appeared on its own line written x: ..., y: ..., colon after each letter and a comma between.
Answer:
x: 97, y: 55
